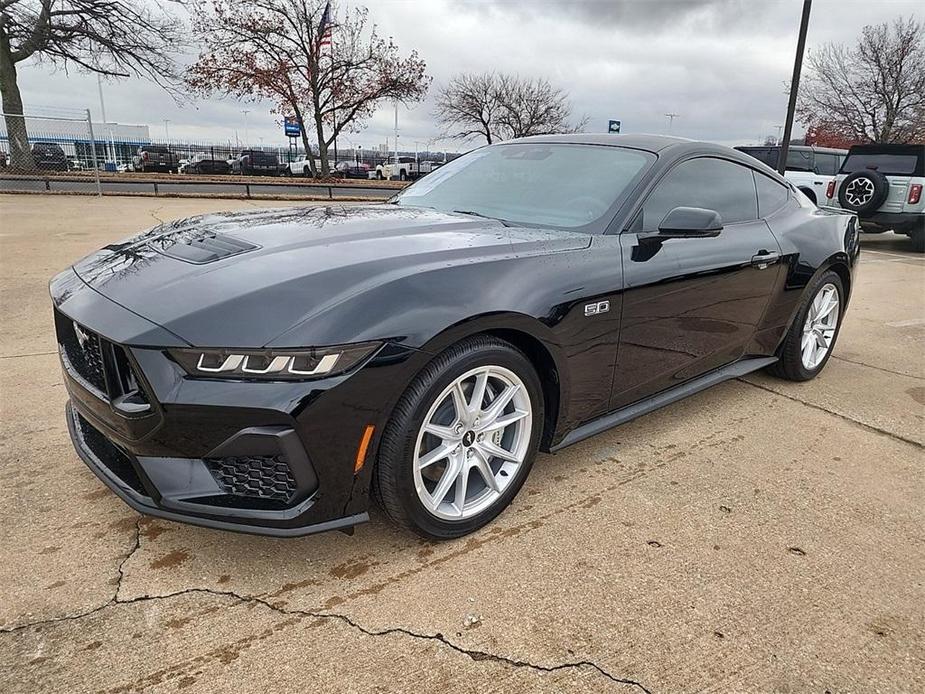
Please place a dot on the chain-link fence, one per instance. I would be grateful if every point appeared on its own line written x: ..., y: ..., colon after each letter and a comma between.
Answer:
x: 34, y: 150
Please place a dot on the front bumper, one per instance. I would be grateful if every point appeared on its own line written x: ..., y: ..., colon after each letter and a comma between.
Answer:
x: 273, y: 458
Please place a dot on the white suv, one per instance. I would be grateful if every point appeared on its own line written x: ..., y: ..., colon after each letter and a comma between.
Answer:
x: 808, y: 168
x: 882, y: 184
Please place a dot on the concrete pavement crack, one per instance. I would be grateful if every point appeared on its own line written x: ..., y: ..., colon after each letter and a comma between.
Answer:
x: 878, y: 368
x: 856, y: 422
x: 474, y: 654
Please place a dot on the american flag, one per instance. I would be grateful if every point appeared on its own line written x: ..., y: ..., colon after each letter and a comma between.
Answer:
x: 325, y: 27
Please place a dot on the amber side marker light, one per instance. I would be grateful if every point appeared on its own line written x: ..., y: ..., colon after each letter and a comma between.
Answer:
x: 361, y: 450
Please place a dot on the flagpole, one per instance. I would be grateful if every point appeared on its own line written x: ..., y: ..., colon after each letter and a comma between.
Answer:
x: 333, y: 100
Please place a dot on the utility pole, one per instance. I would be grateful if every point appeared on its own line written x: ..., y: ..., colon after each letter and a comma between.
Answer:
x: 671, y: 117
x: 245, y: 112
x: 99, y: 84
x: 779, y: 128
x: 396, y: 134
x: 167, y: 130
x: 794, y: 88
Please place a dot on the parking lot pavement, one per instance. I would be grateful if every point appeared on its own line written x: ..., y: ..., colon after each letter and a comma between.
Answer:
x: 760, y: 536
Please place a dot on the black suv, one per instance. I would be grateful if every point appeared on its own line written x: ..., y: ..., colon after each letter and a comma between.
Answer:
x: 49, y: 157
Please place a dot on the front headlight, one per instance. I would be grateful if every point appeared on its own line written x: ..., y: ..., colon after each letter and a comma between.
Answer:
x: 273, y: 365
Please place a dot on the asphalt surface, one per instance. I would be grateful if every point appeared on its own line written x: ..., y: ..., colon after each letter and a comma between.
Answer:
x: 760, y: 536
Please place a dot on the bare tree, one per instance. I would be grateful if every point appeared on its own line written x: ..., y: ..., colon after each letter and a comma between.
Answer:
x: 501, y: 107
x: 468, y: 105
x: 278, y: 49
x: 115, y: 38
x: 872, y: 90
x: 534, y: 107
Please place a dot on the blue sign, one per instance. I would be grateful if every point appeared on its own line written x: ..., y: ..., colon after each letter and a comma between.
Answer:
x: 292, y: 126
x: 613, y: 127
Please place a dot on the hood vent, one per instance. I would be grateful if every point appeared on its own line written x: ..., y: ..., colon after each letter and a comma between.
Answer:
x: 201, y: 248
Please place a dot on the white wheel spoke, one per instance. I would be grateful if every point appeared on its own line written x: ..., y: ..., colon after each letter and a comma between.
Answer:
x: 478, y: 392
x: 504, y: 421
x: 446, y: 481
x: 481, y: 464
x: 436, y: 455
x: 808, y: 343
x: 459, y: 402
x: 462, y: 487
x: 493, y: 450
x: 440, y: 431
x: 498, y: 404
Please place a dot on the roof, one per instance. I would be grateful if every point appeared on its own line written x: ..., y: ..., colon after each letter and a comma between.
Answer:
x: 651, y: 143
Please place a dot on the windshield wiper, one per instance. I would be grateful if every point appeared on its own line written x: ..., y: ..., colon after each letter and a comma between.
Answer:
x: 483, y: 216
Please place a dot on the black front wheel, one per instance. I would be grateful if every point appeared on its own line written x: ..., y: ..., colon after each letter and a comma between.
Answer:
x: 461, y: 440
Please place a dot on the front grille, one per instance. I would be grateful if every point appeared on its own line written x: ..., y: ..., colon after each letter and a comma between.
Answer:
x: 99, y: 365
x: 108, y: 454
x: 82, y: 350
x: 256, y: 477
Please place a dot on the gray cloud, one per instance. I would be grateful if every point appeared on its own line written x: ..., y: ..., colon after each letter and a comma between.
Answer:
x: 721, y: 64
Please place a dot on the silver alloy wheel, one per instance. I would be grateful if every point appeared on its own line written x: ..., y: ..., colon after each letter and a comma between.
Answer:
x: 472, y: 443
x: 820, y: 325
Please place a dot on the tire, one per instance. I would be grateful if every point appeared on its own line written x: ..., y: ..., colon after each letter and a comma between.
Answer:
x: 917, y: 236
x: 378, y: 175
x: 402, y: 176
x: 791, y: 364
x: 863, y: 191
x: 401, y: 482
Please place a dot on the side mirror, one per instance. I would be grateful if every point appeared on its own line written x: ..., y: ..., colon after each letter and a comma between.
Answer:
x: 683, y: 222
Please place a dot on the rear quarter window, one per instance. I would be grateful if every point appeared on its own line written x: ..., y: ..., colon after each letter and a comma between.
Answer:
x: 771, y: 195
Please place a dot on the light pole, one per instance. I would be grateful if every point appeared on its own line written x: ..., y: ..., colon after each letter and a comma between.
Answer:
x: 794, y: 87
x: 671, y: 117
x: 167, y: 130
x: 779, y: 128
x: 245, y: 112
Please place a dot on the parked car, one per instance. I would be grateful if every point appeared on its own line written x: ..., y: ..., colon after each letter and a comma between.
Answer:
x: 349, y: 169
x: 75, y: 164
x: 204, y: 163
x: 268, y: 371
x: 49, y: 156
x: 256, y: 162
x: 882, y: 184
x: 155, y: 158
x: 809, y: 168
x: 127, y: 167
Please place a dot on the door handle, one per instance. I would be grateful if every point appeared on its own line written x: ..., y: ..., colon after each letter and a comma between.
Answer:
x: 764, y: 258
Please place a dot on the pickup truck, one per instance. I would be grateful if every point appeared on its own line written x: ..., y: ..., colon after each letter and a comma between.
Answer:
x: 155, y: 158
x: 300, y: 166
x: 406, y: 169
x: 253, y: 162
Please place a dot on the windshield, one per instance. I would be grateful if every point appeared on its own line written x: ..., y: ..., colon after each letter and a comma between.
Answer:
x: 560, y: 185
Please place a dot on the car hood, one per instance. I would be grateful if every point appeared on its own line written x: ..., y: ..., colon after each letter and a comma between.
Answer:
x: 242, y: 279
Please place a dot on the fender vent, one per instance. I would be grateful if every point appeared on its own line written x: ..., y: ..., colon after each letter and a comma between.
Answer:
x: 202, y: 248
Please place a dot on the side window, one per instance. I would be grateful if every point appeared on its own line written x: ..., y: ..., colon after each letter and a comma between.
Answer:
x: 826, y: 164
x: 771, y: 194
x: 714, y: 184
x: 800, y: 160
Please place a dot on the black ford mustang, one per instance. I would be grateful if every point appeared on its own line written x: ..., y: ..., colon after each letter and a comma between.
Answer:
x: 267, y: 371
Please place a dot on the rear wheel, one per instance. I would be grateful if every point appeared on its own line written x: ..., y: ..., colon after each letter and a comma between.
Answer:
x: 917, y: 235
x: 461, y: 440
x: 811, y: 337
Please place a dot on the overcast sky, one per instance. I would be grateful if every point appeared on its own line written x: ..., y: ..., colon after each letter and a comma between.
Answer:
x: 720, y: 64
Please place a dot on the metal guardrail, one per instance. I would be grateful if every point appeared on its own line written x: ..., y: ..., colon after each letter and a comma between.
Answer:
x: 246, y: 189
